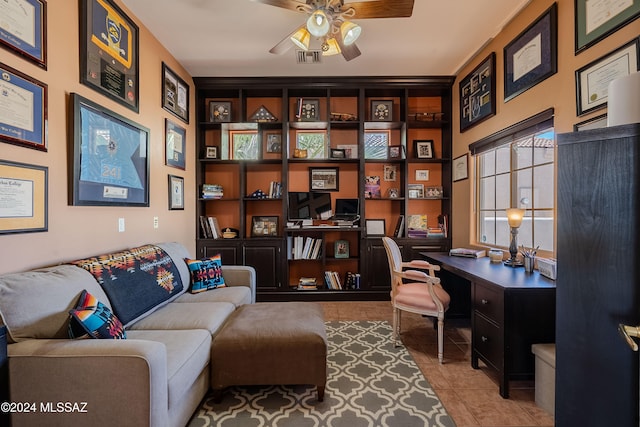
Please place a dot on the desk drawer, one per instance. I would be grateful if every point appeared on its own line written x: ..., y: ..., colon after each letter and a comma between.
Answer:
x: 489, y: 301
x: 487, y: 341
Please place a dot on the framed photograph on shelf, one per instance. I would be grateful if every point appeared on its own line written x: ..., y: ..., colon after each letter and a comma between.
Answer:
x: 478, y: 94
x: 337, y: 153
x: 350, y: 150
x: 433, y: 193
x: 423, y: 148
x: 110, y: 157
x: 422, y: 175
x: 324, y: 179
x: 24, y: 190
x: 176, y: 193
x: 264, y: 226
x: 460, y: 168
x: 23, y: 114
x: 415, y: 191
x: 375, y: 227
x: 175, y: 94
x: 390, y: 172
x: 211, y: 152
x: 396, y: 152
x: 381, y: 110
x: 24, y: 29
x: 109, y: 66
x: 597, y: 19
x: 308, y: 110
x: 341, y: 249
x: 274, y: 143
x: 220, y: 111
x: 592, y: 80
x: 175, y: 138
x: 533, y: 55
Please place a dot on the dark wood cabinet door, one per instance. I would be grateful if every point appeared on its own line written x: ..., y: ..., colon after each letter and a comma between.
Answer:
x: 229, y: 250
x: 265, y: 257
x: 377, y: 266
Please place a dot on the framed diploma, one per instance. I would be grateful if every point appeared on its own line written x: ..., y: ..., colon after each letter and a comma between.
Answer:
x: 597, y: 19
x: 176, y: 193
x: 110, y: 157
x: 592, y: 80
x: 478, y: 94
x: 175, y: 138
x: 175, y: 94
x: 533, y: 55
x: 23, y: 110
x: 109, y: 52
x: 23, y: 28
x: 24, y: 192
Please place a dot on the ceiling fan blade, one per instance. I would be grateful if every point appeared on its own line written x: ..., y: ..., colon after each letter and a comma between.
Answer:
x: 285, y: 44
x: 381, y: 9
x: 285, y: 4
x: 348, y: 52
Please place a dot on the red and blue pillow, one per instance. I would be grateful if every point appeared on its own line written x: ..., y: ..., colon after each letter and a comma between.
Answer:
x: 206, y: 274
x: 92, y: 319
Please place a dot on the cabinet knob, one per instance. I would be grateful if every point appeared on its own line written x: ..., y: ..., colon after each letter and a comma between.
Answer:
x: 484, y: 301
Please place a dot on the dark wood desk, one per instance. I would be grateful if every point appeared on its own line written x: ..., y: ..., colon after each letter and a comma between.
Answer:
x: 510, y: 311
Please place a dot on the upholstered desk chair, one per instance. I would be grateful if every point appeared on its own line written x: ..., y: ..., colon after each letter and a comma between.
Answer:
x: 415, y: 291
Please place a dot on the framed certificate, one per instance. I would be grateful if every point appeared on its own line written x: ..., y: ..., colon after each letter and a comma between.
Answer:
x: 597, y: 19
x: 110, y: 157
x: 23, y: 29
x: 24, y: 192
x: 176, y: 193
x: 175, y: 138
x: 23, y: 113
x: 109, y: 52
x: 175, y: 94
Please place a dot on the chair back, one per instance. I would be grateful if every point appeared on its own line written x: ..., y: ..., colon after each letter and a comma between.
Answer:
x: 394, y: 257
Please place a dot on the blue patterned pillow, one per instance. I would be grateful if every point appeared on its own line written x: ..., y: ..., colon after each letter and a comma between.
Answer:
x: 206, y: 274
x: 93, y: 319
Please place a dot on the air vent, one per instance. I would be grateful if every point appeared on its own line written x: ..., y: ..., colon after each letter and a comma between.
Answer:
x: 309, y: 56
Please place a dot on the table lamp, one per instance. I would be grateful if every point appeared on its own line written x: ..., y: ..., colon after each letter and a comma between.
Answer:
x: 514, y: 217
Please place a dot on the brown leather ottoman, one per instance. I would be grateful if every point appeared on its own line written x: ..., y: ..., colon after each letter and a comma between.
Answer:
x: 271, y: 344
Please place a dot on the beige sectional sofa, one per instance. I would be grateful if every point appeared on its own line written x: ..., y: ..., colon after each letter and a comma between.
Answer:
x: 157, y: 376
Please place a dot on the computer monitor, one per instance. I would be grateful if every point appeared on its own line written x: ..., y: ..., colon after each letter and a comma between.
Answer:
x: 346, y: 207
x: 307, y: 204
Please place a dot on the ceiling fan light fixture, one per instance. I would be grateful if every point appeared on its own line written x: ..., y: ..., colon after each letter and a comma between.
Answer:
x: 318, y: 23
x: 301, y: 38
x: 350, y: 32
x: 330, y: 47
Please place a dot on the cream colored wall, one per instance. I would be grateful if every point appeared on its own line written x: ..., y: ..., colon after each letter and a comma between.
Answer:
x: 557, y: 91
x: 78, y: 231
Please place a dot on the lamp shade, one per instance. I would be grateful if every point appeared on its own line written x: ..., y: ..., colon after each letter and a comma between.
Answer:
x: 330, y: 47
x: 350, y: 32
x: 318, y: 23
x: 514, y: 217
x: 301, y: 38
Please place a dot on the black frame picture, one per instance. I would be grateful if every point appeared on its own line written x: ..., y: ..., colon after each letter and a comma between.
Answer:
x: 176, y: 193
x: 110, y: 157
x: 175, y: 138
x: 109, y: 67
x: 423, y: 148
x: 30, y: 128
x: 478, y: 94
x: 220, y: 111
x: 35, y: 51
x: 324, y: 179
x: 592, y: 80
x: 175, y: 94
x: 603, y: 23
x: 381, y: 110
x: 460, y: 168
x: 533, y: 55
x: 264, y: 226
x: 24, y: 204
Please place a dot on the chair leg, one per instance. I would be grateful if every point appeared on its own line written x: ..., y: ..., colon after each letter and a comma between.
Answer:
x: 440, y: 340
x: 396, y: 326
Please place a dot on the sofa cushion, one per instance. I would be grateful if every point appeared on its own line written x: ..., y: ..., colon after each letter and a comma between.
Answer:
x: 209, y: 316
x: 92, y: 319
x: 136, y: 280
x: 35, y: 304
x: 236, y: 295
x: 206, y: 274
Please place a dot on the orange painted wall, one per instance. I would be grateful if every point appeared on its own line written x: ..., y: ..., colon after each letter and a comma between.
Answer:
x: 557, y: 91
x: 76, y: 231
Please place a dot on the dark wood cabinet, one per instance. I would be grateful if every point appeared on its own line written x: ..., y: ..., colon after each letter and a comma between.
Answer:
x: 598, y: 276
x: 265, y: 256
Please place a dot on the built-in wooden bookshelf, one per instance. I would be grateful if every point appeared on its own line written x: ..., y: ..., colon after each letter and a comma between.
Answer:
x: 249, y: 135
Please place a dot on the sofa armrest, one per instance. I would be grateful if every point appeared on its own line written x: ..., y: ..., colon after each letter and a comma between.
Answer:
x: 240, y: 275
x: 116, y: 382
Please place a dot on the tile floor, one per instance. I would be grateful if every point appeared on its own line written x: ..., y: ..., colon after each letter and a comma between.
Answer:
x: 470, y: 396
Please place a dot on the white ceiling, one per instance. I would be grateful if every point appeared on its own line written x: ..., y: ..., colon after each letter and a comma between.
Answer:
x: 233, y: 37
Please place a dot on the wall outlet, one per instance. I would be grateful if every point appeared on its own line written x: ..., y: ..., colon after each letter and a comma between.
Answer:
x: 155, y: 222
x: 121, y: 225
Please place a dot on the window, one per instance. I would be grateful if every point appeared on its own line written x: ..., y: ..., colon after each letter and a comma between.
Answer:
x: 517, y: 171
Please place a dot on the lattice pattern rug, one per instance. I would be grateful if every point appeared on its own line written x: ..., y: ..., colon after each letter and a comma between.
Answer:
x: 370, y: 383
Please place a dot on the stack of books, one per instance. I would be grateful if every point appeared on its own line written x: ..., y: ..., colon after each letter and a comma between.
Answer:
x: 212, y: 191
x: 275, y: 190
x: 307, y: 283
x: 299, y: 247
x: 332, y: 280
x: 352, y: 281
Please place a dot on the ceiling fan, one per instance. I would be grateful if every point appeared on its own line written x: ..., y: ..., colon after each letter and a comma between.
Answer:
x: 329, y: 21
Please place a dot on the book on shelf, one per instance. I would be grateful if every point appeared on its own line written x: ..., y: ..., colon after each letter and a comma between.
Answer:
x: 435, y: 232
x: 212, y: 191
x: 352, y: 281
x: 399, y: 227
x: 443, y: 223
x: 372, y: 187
x: 300, y: 247
x: 332, y: 280
x: 275, y: 190
x: 468, y: 253
x: 209, y: 227
x: 416, y: 222
x: 307, y: 283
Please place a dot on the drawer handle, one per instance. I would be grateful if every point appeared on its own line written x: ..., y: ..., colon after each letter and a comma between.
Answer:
x: 485, y: 301
x: 484, y: 339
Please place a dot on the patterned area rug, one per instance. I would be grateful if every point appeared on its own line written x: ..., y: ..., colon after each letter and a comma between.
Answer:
x: 370, y: 383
